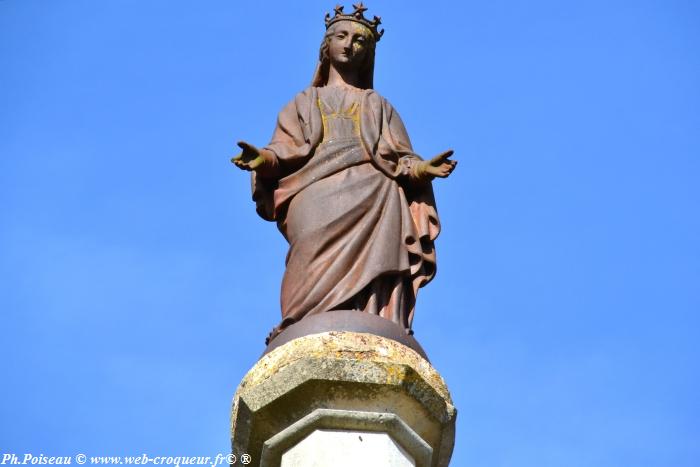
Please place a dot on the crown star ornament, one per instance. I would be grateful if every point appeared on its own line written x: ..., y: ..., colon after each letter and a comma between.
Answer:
x: 357, y: 16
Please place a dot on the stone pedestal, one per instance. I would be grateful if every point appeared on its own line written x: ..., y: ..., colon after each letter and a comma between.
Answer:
x: 343, y: 448
x: 343, y: 399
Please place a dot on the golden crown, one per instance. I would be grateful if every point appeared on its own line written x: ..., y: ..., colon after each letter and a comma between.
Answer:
x: 357, y: 16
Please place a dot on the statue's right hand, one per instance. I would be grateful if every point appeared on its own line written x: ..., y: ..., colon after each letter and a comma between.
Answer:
x: 250, y: 159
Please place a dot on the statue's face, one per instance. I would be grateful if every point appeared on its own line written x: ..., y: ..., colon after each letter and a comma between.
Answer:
x: 348, y: 44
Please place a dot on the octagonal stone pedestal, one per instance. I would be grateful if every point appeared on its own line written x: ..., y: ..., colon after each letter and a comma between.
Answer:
x: 358, y: 399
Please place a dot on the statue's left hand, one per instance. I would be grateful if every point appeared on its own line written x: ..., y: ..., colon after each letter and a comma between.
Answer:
x: 439, y: 166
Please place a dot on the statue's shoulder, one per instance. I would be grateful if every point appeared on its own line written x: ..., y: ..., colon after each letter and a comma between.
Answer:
x: 374, y: 96
x: 301, y: 100
x: 309, y: 93
x: 374, y: 93
x: 376, y: 100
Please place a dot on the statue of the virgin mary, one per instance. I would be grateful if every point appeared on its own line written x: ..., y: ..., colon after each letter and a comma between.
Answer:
x: 347, y: 191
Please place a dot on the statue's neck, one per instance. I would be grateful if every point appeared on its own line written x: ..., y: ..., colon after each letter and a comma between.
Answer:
x: 338, y: 77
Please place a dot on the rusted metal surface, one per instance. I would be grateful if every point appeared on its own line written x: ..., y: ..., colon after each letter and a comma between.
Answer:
x: 346, y: 320
x: 342, y: 182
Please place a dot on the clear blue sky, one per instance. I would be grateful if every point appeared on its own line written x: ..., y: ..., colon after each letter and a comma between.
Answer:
x: 137, y: 283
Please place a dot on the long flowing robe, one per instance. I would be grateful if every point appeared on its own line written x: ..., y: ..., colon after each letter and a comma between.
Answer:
x: 360, y: 228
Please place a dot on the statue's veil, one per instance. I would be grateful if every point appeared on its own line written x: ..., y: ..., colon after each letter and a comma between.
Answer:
x: 366, y: 80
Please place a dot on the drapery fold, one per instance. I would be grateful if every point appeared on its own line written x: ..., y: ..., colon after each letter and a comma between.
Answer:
x: 354, y: 218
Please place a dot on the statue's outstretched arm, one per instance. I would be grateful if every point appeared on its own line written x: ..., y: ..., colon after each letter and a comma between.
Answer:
x: 288, y: 149
x: 419, y: 170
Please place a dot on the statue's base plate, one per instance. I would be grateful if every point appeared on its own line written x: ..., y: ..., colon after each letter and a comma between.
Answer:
x: 346, y: 320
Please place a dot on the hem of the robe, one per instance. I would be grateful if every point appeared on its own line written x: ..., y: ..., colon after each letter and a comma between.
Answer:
x: 289, y: 320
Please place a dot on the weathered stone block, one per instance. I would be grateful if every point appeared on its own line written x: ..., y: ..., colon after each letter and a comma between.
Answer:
x: 319, y: 381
